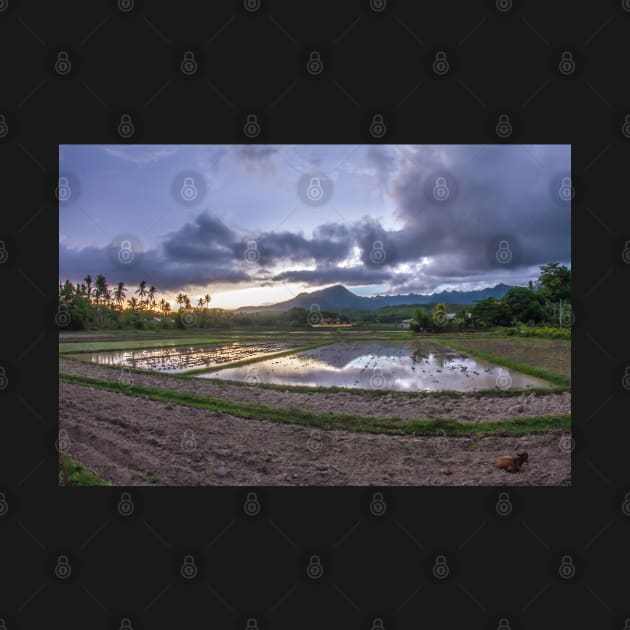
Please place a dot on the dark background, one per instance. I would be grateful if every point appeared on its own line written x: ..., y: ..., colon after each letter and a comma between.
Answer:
x: 374, y: 62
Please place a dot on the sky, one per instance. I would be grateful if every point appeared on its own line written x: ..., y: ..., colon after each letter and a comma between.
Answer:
x: 258, y: 224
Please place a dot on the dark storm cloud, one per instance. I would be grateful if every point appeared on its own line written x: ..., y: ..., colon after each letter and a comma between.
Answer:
x: 498, y: 193
x: 501, y: 191
x: 333, y: 275
x: 150, y: 266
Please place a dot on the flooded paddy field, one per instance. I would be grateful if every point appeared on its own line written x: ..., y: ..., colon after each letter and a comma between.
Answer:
x: 178, y: 359
x: 403, y: 366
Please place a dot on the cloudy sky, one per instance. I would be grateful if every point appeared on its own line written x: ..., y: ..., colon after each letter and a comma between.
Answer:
x: 254, y: 224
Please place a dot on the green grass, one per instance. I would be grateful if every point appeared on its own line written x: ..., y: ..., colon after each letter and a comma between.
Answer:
x: 351, y: 422
x: 77, y: 347
x: 562, y: 382
x: 80, y: 476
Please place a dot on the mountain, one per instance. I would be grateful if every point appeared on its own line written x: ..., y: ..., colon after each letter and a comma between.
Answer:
x: 338, y: 298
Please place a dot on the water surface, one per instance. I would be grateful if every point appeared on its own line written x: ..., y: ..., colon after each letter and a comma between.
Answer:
x: 403, y: 366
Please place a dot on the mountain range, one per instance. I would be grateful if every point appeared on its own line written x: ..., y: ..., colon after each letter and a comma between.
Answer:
x: 338, y: 298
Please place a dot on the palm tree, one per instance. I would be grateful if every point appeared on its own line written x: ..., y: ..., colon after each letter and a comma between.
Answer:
x: 187, y: 302
x: 100, y: 288
x: 88, y: 283
x: 120, y: 293
x: 142, y: 292
x: 200, y: 302
x: 167, y: 308
x: 151, y: 295
x: 132, y: 303
x: 181, y: 300
x: 207, y: 298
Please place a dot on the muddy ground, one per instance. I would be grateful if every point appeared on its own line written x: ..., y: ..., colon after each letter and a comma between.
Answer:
x: 134, y: 441
x: 406, y: 406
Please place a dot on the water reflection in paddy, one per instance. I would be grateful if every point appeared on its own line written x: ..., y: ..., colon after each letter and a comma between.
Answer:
x: 419, y: 366
x: 174, y: 359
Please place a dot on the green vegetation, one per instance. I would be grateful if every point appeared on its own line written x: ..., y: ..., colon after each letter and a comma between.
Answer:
x: 393, y: 425
x: 78, y: 475
x: 546, y: 302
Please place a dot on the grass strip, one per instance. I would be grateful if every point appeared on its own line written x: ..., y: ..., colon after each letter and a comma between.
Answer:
x: 554, y: 378
x: 80, y: 476
x: 350, y: 422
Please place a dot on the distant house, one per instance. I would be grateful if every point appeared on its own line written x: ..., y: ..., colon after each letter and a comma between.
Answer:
x: 450, y: 315
x: 330, y: 320
x: 405, y: 323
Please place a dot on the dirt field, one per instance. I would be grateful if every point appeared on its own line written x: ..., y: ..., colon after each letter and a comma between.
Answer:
x: 403, y: 406
x: 135, y: 441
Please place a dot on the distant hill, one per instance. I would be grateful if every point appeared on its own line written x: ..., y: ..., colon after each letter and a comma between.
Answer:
x: 338, y: 298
